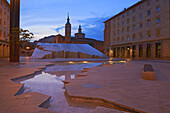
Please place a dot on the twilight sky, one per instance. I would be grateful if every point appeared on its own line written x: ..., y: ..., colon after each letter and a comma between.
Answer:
x: 48, y: 17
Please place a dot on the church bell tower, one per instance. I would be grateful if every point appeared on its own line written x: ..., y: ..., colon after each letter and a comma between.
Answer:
x: 68, y: 30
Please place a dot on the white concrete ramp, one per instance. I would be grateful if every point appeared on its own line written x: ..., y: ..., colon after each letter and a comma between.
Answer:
x: 53, y: 50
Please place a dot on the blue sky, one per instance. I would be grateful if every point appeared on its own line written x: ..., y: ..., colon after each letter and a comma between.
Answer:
x: 48, y: 17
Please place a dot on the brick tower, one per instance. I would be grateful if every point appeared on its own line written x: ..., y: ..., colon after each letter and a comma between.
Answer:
x: 68, y: 30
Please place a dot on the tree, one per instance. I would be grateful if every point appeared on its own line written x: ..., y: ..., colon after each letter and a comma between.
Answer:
x: 24, y: 35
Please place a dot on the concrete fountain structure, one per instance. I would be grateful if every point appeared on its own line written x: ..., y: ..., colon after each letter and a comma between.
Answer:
x: 53, y: 50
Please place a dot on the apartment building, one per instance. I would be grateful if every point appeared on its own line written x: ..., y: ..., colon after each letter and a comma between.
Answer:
x: 141, y: 31
x: 4, y: 28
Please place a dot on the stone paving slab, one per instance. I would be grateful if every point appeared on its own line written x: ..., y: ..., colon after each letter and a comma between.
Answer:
x: 123, y: 84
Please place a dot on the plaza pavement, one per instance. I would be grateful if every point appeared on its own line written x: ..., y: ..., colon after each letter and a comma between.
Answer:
x: 121, y: 84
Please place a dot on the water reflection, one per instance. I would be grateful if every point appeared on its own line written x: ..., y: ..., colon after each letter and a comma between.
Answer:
x: 50, y: 83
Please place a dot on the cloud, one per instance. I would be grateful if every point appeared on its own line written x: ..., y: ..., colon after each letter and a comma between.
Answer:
x: 59, y: 28
x: 94, y: 27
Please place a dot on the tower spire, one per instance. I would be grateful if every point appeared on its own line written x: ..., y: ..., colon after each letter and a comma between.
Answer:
x: 79, y: 30
x: 68, y: 19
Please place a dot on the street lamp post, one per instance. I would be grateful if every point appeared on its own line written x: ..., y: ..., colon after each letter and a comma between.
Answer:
x: 14, y: 26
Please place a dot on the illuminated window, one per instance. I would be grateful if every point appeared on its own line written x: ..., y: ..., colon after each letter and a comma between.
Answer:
x: 148, y: 2
x: 128, y: 20
x: 149, y: 33
x: 123, y: 30
x: 128, y: 28
x: 133, y: 10
x: 133, y: 18
x: 158, y: 32
x: 141, y: 35
x: 118, y: 39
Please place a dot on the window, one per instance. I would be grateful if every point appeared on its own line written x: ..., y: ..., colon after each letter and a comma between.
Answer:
x: 149, y: 33
x: 158, y: 20
x: 122, y: 23
x: 149, y: 22
x: 158, y: 50
x: 158, y: 9
x: 141, y: 25
x: 133, y: 10
x: 4, y: 23
x: 140, y: 50
x: 149, y: 12
x: 128, y: 20
x: 122, y: 38
x: 5, y: 15
x: 148, y: 50
x: 127, y: 13
x: 158, y: 32
x: 123, y: 16
x: 134, y: 27
x: 148, y: 2
x: 141, y: 35
x: 140, y: 16
x: 123, y: 30
x: 118, y: 31
x: 128, y: 38
x: 118, y: 39
x: 134, y: 37
x: 133, y: 18
x: 128, y: 28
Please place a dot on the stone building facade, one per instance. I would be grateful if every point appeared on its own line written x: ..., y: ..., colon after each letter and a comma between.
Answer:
x: 4, y: 28
x: 141, y: 31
